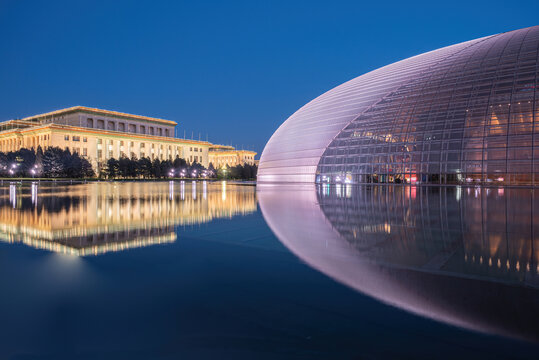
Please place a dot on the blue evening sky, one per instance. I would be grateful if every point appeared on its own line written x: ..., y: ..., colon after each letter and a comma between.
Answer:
x: 234, y: 70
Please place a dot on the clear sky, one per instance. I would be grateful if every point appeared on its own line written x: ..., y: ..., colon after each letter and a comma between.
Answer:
x: 234, y: 70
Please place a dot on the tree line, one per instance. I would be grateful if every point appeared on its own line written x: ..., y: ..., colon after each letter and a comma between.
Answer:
x: 51, y: 163
x: 55, y: 162
x: 240, y: 172
x: 145, y: 168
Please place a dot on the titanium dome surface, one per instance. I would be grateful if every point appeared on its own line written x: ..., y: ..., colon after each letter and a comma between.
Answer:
x: 461, y: 114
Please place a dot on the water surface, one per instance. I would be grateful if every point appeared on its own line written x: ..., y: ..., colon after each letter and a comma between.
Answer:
x: 214, y: 270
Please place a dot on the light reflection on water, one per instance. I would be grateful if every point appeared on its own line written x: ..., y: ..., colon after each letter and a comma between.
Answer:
x: 95, y: 218
x: 464, y: 256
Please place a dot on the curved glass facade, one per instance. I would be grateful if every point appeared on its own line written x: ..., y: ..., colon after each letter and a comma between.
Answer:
x: 461, y: 114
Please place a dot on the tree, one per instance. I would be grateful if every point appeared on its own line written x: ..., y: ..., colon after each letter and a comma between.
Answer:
x: 25, y: 160
x: 134, y: 168
x: 179, y: 163
x: 38, y: 164
x: 211, y: 171
x: 53, y: 165
x: 195, y: 169
x: 157, y: 171
x: 86, y: 168
x: 145, y: 167
x: 124, y: 165
x: 112, y: 168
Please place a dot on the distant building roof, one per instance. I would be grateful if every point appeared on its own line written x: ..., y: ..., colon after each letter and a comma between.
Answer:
x: 221, y: 147
x: 100, y: 112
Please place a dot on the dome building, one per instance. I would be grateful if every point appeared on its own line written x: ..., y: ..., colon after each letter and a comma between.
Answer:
x: 467, y: 113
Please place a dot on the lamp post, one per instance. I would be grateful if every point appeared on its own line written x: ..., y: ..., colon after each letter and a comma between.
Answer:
x: 13, y: 169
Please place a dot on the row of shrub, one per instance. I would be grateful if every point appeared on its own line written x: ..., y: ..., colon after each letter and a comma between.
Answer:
x: 145, y: 168
x: 51, y: 163
x: 61, y: 163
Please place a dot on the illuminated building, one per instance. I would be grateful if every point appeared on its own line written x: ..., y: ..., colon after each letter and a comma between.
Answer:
x: 222, y: 156
x: 100, y: 135
x: 460, y: 114
x: 91, y: 219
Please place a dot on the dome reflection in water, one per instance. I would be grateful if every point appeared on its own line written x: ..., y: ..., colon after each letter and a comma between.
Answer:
x: 461, y: 255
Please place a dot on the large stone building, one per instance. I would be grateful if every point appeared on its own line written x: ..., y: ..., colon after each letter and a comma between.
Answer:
x: 100, y: 135
x: 221, y: 156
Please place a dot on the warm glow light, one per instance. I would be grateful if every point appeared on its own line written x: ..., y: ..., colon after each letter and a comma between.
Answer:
x: 137, y: 214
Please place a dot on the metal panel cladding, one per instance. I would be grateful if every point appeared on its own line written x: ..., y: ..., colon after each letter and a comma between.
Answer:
x: 464, y: 113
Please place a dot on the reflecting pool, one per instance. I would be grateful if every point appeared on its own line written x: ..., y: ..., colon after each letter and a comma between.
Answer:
x: 205, y: 270
x: 95, y: 218
x: 464, y: 256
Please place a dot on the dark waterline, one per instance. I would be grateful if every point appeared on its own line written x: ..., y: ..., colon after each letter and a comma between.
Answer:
x: 183, y: 270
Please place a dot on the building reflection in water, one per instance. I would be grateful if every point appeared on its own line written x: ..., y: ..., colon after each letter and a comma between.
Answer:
x: 95, y: 218
x: 464, y: 256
